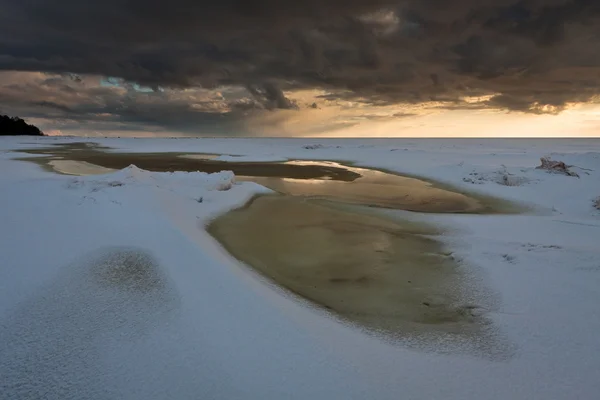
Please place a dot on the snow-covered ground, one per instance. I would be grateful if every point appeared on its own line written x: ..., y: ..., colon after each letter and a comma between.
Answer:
x: 213, y: 330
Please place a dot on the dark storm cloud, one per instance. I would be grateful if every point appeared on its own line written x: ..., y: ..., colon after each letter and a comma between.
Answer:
x: 532, y: 53
x: 71, y: 102
x: 271, y: 96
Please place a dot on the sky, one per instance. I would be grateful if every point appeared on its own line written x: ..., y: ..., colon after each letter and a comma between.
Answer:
x: 339, y: 68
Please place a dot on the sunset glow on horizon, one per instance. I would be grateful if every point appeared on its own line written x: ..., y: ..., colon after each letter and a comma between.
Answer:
x: 352, y: 68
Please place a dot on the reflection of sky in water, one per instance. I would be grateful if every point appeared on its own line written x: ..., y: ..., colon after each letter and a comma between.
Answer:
x: 366, y: 174
x: 372, y: 187
x: 294, y: 181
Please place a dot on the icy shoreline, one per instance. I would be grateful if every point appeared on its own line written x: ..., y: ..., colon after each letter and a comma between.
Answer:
x: 231, y: 336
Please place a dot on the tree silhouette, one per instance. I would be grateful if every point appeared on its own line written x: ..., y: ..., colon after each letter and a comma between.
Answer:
x: 16, y: 126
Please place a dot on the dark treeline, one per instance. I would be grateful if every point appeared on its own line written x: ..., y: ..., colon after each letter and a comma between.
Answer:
x: 16, y: 126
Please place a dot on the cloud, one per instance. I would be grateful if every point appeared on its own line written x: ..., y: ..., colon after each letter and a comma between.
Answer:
x: 533, y: 56
x: 66, y: 103
x: 271, y: 96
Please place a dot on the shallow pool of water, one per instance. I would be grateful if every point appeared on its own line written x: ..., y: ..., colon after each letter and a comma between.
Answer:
x: 374, y: 188
x: 384, y: 275
x: 314, y: 179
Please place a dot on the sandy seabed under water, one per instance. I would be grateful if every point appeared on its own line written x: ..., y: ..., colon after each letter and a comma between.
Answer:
x: 389, y: 277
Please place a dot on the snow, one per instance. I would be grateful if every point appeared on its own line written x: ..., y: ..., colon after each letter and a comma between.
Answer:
x: 216, y: 330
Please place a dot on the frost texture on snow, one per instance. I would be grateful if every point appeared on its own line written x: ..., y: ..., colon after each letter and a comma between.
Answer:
x: 52, y: 343
x: 501, y: 177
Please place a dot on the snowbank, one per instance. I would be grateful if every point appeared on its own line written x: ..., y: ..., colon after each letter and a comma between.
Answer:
x: 179, y: 180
